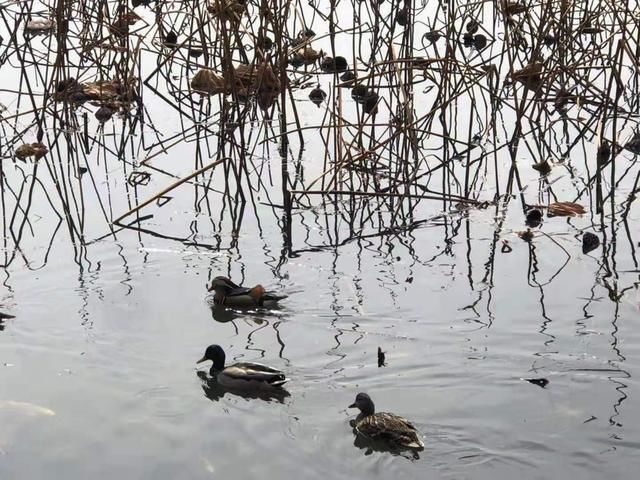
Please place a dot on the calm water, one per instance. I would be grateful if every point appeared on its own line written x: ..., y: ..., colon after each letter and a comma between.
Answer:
x: 97, y: 369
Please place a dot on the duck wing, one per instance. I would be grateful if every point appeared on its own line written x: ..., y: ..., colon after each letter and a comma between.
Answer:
x: 256, y: 372
x: 390, y: 428
x: 237, y: 291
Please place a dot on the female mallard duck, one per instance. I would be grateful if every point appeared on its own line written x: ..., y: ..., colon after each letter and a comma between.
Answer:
x: 232, y: 295
x: 388, y: 428
x: 253, y: 376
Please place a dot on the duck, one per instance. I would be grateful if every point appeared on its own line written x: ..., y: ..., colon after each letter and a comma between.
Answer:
x: 388, y: 428
x: 242, y: 376
x: 232, y: 295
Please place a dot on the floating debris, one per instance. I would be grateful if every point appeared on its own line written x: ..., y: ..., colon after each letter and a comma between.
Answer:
x: 526, y: 235
x: 6, y: 316
x: 565, y: 209
x: 381, y: 358
x: 35, y: 150
x: 541, y: 382
x: 590, y: 241
x: 26, y: 408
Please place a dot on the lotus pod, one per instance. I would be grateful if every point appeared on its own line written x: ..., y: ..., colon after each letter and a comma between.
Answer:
x: 590, y: 242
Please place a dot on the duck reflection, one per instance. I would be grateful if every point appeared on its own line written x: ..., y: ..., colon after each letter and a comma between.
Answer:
x: 215, y: 392
x: 369, y: 446
x: 222, y: 314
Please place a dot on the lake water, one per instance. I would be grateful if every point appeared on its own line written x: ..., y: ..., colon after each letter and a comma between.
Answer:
x: 97, y: 369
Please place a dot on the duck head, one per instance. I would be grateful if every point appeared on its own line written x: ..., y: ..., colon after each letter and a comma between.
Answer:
x: 222, y: 285
x: 364, y: 403
x: 215, y: 353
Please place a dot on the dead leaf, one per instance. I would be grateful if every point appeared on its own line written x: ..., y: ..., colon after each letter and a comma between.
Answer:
x: 230, y: 10
x: 36, y: 150
x: 207, y: 81
x: 565, y: 209
x: 38, y: 25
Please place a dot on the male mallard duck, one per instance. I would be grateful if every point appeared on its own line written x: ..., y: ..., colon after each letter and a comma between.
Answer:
x: 232, y: 295
x: 251, y: 376
x: 385, y: 427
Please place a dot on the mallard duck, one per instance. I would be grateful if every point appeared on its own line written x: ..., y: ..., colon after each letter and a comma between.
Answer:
x: 242, y: 376
x: 232, y: 295
x: 394, y: 431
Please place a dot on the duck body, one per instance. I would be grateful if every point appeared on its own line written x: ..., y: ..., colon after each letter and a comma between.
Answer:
x: 387, y: 428
x: 244, y: 375
x: 253, y: 376
x: 232, y: 295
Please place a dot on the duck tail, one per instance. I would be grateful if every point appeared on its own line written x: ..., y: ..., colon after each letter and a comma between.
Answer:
x: 417, y: 443
x: 279, y: 381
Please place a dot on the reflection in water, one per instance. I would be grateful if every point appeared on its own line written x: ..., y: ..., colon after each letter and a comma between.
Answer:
x: 369, y: 445
x: 393, y: 214
x: 3, y: 317
x: 215, y: 392
x: 259, y: 316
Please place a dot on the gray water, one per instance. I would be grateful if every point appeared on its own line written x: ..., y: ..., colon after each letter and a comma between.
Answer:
x: 97, y: 369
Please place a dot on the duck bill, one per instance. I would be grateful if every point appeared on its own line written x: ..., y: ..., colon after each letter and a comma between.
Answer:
x: 353, y: 405
x: 203, y: 359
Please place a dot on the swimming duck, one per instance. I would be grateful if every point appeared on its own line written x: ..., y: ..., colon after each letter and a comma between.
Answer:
x: 232, y: 295
x: 249, y: 376
x: 385, y: 427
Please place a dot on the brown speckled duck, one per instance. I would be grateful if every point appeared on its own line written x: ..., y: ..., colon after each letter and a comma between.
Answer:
x: 388, y: 428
